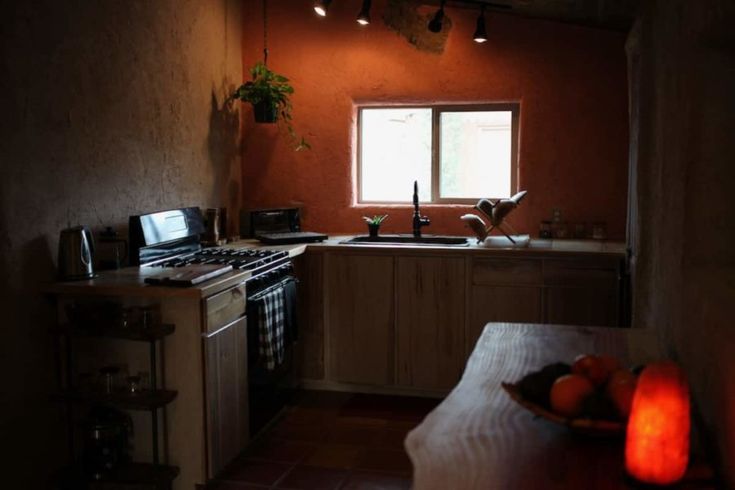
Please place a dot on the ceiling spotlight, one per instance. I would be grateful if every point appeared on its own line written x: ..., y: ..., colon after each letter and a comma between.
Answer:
x: 480, y: 35
x: 435, y: 24
x: 321, y: 7
x: 363, y: 18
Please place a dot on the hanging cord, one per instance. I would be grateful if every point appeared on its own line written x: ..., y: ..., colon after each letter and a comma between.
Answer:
x: 265, y: 32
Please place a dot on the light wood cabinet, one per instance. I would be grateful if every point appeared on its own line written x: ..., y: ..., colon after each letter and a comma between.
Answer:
x: 310, y: 347
x: 503, y: 290
x: 430, y: 303
x: 225, y: 358
x: 407, y: 321
x: 508, y: 272
x: 359, y: 299
x: 502, y: 304
x: 581, y: 293
x: 573, y: 291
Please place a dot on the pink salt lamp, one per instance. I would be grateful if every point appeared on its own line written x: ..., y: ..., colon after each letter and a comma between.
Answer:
x: 657, y: 441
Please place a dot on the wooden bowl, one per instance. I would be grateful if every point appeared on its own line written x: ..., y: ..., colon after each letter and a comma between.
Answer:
x: 587, y: 426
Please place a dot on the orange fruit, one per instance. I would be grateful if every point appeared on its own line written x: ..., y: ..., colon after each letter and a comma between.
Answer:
x: 610, y: 363
x: 620, y: 389
x: 568, y: 394
x: 592, y: 367
x: 622, y: 375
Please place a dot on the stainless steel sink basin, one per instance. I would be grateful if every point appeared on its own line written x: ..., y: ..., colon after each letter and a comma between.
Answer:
x: 451, y: 241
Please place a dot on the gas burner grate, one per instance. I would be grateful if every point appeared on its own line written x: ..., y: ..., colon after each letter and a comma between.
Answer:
x: 238, y: 258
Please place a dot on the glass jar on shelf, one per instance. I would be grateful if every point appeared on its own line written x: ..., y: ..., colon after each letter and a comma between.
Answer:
x: 599, y: 230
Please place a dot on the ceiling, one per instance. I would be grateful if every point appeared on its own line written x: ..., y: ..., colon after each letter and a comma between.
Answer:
x: 608, y: 14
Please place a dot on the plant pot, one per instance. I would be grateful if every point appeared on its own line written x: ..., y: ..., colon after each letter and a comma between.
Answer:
x: 265, y: 112
x: 373, y: 230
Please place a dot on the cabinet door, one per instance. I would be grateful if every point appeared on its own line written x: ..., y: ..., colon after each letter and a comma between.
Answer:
x: 592, y: 306
x: 430, y: 321
x: 581, y: 293
x: 226, y: 378
x: 359, y: 316
x: 501, y: 304
x: 504, y: 290
x: 310, y: 347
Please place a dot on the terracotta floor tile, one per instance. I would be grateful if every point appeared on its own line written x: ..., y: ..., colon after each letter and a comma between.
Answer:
x: 390, y: 438
x: 313, y: 478
x: 311, y: 415
x: 335, y: 456
x: 321, y: 399
x: 356, y: 435
x: 328, y: 439
x: 386, y: 460
x: 301, y: 433
x: 375, y: 481
x: 281, y: 451
x: 388, y: 407
x: 361, y: 421
x: 227, y: 485
x: 254, y: 471
x: 404, y: 425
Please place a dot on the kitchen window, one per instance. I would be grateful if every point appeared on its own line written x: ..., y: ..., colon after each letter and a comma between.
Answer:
x: 458, y: 153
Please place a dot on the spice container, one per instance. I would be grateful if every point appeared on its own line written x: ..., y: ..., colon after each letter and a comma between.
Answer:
x: 544, y: 229
x: 561, y: 230
x: 599, y: 230
x: 580, y: 230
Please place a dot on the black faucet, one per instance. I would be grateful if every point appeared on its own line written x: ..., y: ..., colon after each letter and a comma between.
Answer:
x: 418, y: 220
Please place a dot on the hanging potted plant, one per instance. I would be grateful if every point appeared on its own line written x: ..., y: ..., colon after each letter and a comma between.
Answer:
x: 269, y: 93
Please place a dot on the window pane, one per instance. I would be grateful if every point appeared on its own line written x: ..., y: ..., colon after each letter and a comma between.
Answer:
x: 475, y: 154
x: 395, y: 151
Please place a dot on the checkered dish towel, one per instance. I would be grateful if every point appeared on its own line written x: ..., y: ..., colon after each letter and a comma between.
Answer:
x: 271, y: 321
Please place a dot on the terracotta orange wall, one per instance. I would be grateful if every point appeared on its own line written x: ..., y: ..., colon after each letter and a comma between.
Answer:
x: 569, y: 80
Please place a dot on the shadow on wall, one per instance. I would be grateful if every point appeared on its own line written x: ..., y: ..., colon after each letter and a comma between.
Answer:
x: 259, y: 139
x: 223, y: 146
x: 28, y: 362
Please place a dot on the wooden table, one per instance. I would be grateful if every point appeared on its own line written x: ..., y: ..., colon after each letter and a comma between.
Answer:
x: 478, y: 438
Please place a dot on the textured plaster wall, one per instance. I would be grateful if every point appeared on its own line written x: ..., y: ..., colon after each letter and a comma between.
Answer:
x: 108, y: 109
x: 684, y: 284
x: 570, y: 82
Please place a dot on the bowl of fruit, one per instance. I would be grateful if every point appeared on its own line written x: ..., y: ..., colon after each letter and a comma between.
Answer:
x: 592, y: 396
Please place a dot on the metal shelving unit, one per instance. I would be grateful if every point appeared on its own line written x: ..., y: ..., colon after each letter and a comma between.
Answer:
x: 150, y: 475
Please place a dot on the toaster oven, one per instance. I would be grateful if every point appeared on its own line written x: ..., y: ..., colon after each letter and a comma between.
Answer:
x: 257, y: 222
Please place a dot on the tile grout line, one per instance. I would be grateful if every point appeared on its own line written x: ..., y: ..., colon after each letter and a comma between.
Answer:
x: 283, y: 476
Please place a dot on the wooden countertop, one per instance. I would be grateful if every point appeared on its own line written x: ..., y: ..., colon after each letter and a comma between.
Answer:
x: 130, y: 280
x: 478, y: 438
x: 493, y: 246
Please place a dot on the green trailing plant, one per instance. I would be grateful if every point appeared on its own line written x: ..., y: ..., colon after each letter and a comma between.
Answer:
x: 269, y: 93
x: 375, y: 220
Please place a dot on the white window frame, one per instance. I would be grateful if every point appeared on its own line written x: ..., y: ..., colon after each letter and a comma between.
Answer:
x: 436, y: 111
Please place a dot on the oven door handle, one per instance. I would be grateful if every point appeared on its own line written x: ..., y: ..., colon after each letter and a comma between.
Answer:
x: 281, y: 283
x: 222, y: 329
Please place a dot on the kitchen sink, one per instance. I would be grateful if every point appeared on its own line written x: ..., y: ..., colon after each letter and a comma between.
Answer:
x: 452, y: 241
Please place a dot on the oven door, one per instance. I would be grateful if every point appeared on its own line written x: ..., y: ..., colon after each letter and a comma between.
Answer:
x: 270, y: 387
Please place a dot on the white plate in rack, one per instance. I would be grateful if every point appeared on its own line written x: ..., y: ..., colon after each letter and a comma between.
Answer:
x: 501, y: 241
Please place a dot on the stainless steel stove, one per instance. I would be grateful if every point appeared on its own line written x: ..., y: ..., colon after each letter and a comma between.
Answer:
x: 170, y: 240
